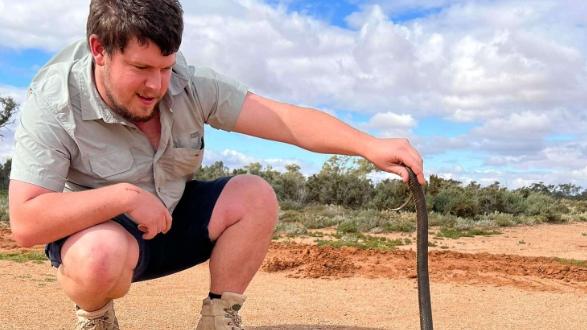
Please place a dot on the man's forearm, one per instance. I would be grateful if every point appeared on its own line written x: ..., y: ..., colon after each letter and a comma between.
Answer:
x: 320, y: 132
x: 51, y: 216
x: 307, y: 128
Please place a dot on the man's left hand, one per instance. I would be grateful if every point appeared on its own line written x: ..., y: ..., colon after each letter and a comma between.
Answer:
x: 393, y: 155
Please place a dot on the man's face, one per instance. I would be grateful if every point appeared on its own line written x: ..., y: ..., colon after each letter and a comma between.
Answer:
x: 134, y: 81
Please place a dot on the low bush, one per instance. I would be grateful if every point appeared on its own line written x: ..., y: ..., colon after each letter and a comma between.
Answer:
x: 3, y: 206
x: 24, y: 256
x: 456, y: 233
x: 290, y: 229
x: 456, y: 201
x: 545, y: 208
x: 362, y: 241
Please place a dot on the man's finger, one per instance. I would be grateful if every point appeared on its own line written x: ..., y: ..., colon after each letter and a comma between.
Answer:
x: 416, y: 164
x: 401, y: 171
x: 168, y: 221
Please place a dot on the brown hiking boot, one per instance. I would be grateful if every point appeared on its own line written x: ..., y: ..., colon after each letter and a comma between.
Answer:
x: 222, y: 314
x: 102, y: 319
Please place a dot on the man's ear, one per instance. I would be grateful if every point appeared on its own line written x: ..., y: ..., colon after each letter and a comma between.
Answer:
x: 97, y: 49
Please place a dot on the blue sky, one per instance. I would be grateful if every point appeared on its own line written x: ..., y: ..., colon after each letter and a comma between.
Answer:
x: 486, y: 90
x: 332, y: 12
x: 18, y: 66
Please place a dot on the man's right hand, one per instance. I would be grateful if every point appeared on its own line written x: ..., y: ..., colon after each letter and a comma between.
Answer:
x: 149, y: 213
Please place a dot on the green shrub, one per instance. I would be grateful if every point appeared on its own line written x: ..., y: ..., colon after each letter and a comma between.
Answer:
x: 291, y: 205
x: 4, y: 206
x: 498, y: 199
x: 326, y: 210
x: 503, y: 219
x: 291, y: 229
x: 379, y: 221
x: 362, y: 241
x: 347, y: 226
x: 333, y: 188
x: 366, y: 220
x: 291, y: 216
x: 572, y: 262
x: 513, y: 203
x: 580, y: 206
x: 389, y: 194
x: 439, y: 219
x: 456, y: 232
x: 545, y: 207
x: 315, y: 216
x: 24, y: 256
x: 456, y: 201
x: 401, y: 226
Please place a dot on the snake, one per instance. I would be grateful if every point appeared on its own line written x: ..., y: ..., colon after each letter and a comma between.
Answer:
x: 424, y: 303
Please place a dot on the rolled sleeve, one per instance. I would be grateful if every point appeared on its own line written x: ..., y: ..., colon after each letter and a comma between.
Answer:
x: 220, y: 97
x: 40, y: 157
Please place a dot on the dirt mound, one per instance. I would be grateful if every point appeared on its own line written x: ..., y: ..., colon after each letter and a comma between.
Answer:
x: 310, y: 261
x: 534, y: 273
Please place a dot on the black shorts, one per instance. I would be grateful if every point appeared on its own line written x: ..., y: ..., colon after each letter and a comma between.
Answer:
x: 185, y: 245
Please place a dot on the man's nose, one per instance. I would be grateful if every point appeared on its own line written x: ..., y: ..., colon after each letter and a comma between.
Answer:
x: 154, y: 80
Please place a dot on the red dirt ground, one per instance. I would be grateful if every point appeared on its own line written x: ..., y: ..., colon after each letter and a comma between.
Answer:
x: 509, y: 281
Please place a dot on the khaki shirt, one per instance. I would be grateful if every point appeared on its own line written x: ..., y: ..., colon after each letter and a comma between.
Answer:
x: 69, y: 140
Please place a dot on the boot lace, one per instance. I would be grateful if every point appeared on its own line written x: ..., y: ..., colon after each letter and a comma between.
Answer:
x: 235, y: 319
x: 104, y: 322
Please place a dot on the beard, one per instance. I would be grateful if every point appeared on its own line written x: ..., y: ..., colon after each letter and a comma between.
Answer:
x: 125, y: 113
x: 117, y: 107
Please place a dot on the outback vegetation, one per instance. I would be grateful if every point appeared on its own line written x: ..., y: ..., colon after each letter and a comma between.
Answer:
x: 343, y: 196
x: 7, y: 108
x: 344, y: 199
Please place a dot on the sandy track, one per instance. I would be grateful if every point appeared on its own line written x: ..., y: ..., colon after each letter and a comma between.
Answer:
x: 304, y: 287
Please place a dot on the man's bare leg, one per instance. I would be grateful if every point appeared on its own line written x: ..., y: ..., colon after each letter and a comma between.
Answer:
x: 97, y: 265
x: 242, y: 222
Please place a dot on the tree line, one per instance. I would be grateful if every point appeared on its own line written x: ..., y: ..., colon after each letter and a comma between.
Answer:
x: 7, y: 109
x: 345, y: 181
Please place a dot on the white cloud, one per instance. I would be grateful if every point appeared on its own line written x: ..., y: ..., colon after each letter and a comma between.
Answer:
x: 580, y: 174
x: 231, y: 158
x: 41, y: 24
x: 234, y: 159
x: 18, y: 94
x: 471, y: 61
x: 517, y: 71
x: 391, y: 124
x: 387, y: 120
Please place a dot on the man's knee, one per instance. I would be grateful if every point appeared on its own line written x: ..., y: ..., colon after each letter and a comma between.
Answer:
x: 245, y: 197
x: 98, y: 257
x: 260, y: 197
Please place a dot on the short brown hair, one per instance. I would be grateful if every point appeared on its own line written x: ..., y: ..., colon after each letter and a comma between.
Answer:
x: 115, y: 22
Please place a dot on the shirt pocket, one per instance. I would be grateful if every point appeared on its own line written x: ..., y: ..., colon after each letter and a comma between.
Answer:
x: 111, y: 164
x: 194, y: 140
x: 180, y: 163
x: 184, y: 158
x: 183, y: 162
